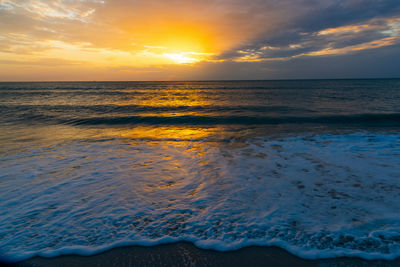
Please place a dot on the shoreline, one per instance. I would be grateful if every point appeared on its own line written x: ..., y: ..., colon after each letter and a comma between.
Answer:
x: 187, y: 254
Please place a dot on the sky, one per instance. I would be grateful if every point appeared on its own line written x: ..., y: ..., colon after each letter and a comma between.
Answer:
x: 87, y: 40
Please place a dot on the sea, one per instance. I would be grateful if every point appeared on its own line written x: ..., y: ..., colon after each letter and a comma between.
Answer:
x: 310, y: 166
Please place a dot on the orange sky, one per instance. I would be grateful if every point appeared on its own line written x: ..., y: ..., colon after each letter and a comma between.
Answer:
x: 175, y: 39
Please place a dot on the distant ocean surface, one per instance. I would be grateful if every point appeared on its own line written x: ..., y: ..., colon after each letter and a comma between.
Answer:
x: 311, y: 166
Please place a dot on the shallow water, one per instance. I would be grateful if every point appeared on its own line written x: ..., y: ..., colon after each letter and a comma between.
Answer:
x: 310, y: 166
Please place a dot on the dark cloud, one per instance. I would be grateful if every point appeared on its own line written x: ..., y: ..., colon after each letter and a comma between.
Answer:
x: 304, y: 19
x: 297, y: 43
x: 344, y: 12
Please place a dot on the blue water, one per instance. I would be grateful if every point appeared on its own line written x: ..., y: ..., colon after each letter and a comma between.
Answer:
x: 310, y: 166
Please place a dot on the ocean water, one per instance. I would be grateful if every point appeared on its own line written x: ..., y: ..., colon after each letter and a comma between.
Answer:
x: 309, y: 166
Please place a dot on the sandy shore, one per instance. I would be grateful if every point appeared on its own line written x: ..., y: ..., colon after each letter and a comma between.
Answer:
x: 186, y: 254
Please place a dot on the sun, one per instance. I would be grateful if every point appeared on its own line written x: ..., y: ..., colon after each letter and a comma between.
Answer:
x: 174, y: 43
x: 185, y: 57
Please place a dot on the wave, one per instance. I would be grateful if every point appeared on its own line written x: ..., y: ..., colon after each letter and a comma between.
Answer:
x: 192, y: 115
x: 146, y: 108
x: 365, y: 119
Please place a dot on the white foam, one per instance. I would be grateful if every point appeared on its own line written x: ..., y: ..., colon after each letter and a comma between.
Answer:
x: 316, y: 196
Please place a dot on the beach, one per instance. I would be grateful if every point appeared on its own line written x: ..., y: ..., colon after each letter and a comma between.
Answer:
x: 185, y: 254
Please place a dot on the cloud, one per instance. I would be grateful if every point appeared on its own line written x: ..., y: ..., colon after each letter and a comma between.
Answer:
x: 375, y: 33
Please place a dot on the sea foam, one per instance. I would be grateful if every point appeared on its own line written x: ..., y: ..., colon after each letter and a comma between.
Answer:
x: 317, y: 196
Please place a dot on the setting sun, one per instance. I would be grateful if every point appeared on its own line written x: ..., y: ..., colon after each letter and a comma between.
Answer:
x: 185, y: 57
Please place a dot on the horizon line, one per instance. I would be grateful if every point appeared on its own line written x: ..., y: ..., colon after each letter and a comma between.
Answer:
x: 210, y: 80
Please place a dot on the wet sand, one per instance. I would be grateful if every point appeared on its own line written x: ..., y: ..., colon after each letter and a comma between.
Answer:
x: 186, y: 254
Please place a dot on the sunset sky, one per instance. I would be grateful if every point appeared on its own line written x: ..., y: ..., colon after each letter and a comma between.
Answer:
x: 196, y: 40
